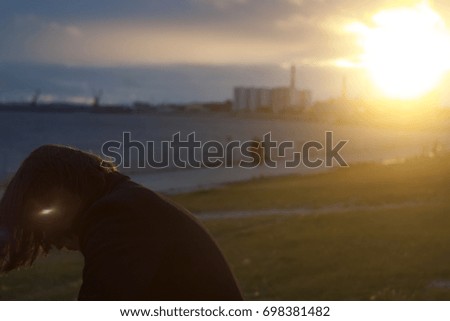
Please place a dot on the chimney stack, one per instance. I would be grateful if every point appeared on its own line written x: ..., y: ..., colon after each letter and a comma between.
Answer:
x: 293, y: 76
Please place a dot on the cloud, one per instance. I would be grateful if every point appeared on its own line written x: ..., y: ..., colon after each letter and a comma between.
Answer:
x: 200, y: 47
x: 28, y: 37
x: 142, y: 43
x: 209, y: 32
x: 124, y: 42
x: 221, y: 4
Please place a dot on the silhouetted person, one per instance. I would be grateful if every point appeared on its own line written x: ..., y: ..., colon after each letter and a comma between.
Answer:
x: 137, y: 245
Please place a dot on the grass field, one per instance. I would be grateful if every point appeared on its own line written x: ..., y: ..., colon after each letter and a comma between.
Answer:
x: 365, y: 251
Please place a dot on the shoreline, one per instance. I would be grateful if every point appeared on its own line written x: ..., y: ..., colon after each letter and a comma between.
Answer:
x: 193, y: 180
x: 196, y: 180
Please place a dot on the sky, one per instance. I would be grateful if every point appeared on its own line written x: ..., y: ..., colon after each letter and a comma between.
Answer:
x: 181, y: 51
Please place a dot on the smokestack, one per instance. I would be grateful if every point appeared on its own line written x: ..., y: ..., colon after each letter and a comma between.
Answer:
x: 35, y: 98
x: 292, y: 89
x: 293, y: 76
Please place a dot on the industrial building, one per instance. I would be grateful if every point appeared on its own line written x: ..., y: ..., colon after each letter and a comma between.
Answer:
x: 272, y: 99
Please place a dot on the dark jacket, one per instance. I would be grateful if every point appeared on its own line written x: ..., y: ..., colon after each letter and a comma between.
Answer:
x: 138, y: 245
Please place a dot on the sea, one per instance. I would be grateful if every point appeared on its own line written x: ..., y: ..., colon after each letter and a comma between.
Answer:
x: 22, y: 132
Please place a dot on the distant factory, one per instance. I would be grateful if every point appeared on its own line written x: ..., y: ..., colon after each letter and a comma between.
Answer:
x: 275, y: 100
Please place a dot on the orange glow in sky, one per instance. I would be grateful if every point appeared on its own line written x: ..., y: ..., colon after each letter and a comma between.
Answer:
x: 406, y: 50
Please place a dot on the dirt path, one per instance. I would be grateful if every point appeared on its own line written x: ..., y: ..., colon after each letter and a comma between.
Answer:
x: 301, y: 211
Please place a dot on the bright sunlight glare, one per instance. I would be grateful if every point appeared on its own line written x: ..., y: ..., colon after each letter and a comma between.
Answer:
x: 406, y: 50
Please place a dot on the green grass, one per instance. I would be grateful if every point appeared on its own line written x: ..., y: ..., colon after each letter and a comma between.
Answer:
x: 419, y: 179
x: 374, y: 253
x: 55, y: 277
x: 390, y: 254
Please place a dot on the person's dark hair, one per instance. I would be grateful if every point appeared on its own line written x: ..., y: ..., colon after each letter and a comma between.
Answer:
x: 47, y: 168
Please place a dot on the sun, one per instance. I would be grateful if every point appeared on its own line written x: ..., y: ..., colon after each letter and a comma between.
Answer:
x: 406, y: 50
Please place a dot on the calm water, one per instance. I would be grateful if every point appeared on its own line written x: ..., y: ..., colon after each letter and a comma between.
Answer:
x: 23, y: 132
